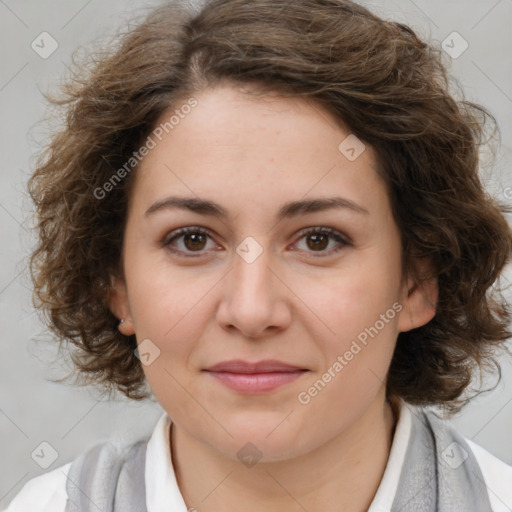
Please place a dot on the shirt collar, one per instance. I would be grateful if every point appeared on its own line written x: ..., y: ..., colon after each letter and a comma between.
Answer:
x: 162, y: 491
x: 385, y: 494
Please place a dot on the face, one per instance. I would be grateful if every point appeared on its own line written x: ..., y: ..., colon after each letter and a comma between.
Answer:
x: 290, y: 254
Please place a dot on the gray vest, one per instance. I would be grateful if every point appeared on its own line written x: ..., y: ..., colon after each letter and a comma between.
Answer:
x: 440, y: 474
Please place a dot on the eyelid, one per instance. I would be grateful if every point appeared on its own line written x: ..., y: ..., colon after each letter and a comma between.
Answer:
x: 178, y: 233
x: 342, y: 239
x: 325, y: 230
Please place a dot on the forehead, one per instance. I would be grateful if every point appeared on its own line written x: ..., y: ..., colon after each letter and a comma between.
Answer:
x: 259, y: 150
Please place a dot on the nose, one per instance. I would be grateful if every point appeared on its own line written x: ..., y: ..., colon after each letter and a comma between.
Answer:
x: 255, y: 301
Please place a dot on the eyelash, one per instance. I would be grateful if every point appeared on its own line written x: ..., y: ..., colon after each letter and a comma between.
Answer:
x: 167, y: 241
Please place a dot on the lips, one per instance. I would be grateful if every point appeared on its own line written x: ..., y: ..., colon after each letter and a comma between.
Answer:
x: 266, y: 366
x: 255, y: 378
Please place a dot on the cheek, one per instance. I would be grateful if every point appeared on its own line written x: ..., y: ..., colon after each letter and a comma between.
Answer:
x: 360, y: 309
x: 363, y: 314
x: 353, y: 297
x: 162, y: 294
x: 175, y: 324
x: 167, y: 308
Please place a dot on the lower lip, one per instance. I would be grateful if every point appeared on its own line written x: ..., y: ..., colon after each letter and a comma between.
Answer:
x: 256, y: 382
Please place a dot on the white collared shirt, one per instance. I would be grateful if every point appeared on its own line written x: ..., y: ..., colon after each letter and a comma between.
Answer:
x: 47, y: 492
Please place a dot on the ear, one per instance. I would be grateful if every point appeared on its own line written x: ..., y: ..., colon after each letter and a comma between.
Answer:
x: 120, y: 306
x: 419, y: 300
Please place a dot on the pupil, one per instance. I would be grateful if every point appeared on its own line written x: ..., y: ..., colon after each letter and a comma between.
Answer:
x: 316, y: 239
x: 195, y: 238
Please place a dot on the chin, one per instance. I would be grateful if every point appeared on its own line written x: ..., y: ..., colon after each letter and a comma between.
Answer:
x: 251, y: 451
x: 268, y: 441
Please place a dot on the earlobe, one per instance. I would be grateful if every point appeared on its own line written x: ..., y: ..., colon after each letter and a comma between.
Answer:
x: 120, y: 307
x: 419, y: 304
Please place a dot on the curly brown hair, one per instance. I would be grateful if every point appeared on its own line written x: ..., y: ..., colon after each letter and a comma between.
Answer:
x: 377, y: 77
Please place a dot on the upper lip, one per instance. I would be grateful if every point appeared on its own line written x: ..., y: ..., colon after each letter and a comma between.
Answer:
x: 266, y: 366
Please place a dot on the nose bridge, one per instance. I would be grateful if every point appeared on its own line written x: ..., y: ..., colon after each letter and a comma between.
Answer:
x: 251, y: 273
x: 253, y: 298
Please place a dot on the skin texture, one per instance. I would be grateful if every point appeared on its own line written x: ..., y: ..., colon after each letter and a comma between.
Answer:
x: 295, y: 303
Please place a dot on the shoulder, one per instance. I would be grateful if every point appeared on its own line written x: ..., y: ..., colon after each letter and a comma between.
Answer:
x: 44, y: 493
x: 497, y: 475
x: 48, y: 492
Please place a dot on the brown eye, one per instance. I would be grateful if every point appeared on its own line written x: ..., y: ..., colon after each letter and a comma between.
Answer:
x: 319, y: 239
x: 187, y: 241
x: 317, y: 242
x: 194, y: 241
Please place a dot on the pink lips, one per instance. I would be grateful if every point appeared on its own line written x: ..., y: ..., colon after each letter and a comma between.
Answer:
x: 252, y: 378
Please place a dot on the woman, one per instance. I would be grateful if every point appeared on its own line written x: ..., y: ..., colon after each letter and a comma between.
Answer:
x: 270, y: 212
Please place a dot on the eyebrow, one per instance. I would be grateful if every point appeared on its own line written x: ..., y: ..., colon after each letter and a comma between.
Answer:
x: 288, y: 210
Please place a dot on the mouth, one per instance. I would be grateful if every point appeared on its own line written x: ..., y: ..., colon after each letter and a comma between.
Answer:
x: 254, y: 378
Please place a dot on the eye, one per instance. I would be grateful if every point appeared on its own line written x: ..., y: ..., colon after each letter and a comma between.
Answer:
x: 317, y: 240
x: 190, y: 240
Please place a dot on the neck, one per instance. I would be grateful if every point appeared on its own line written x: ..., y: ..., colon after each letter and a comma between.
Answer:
x: 343, y: 474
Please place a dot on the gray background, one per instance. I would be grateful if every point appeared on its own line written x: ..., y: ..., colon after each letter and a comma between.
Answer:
x: 33, y: 409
